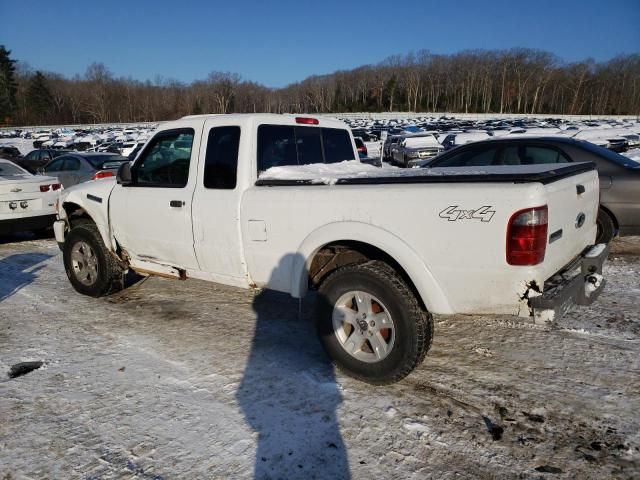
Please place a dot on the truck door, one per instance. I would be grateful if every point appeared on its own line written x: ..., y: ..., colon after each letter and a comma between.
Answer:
x: 217, y: 199
x: 151, y: 219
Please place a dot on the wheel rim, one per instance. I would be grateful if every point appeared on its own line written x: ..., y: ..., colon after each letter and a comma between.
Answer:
x: 363, y: 326
x: 84, y: 263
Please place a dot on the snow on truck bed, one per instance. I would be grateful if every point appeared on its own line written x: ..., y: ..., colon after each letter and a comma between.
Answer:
x: 332, y: 173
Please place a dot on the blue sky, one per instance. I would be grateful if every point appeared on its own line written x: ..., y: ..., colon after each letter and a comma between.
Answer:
x: 279, y: 42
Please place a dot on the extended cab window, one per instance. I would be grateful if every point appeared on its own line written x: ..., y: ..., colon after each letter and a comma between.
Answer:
x: 221, y: 162
x: 281, y: 145
x: 165, y: 161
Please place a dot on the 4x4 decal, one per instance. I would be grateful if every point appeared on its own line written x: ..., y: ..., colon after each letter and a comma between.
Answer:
x: 453, y: 213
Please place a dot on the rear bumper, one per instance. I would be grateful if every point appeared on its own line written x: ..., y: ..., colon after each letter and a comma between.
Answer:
x: 578, y: 284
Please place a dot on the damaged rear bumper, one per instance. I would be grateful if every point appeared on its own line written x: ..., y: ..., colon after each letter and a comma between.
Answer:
x: 580, y: 283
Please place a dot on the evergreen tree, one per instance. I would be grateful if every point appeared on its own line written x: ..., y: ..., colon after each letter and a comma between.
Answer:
x: 8, y: 86
x: 39, y: 100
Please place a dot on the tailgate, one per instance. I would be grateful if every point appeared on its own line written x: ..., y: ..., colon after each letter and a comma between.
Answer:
x: 573, y: 209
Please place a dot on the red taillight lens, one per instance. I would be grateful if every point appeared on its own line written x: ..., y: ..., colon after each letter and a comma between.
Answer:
x: 527, y: 236
x: 307, y: 120
x: 45, y: 188
x: 56, y: 186
x: 102, y: 174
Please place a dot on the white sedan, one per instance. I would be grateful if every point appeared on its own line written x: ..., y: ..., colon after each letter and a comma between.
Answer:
x: 27, y: 202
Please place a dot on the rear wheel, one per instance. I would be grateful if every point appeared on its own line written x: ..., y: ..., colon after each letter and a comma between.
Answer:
x: 90, y: 267
x: 606, y: 227
x: 371, y: 324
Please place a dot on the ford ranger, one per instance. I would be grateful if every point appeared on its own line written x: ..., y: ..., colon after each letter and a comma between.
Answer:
x: 383, y: 248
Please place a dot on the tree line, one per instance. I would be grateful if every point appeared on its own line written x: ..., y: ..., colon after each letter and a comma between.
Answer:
x: 479, y: 81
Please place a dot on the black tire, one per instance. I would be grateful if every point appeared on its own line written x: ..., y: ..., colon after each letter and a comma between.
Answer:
x: 606, y: 227
x: 110, y: 275
x: 413, y: 324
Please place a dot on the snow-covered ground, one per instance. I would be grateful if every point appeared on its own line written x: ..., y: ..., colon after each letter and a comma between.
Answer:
x: 174, y: 379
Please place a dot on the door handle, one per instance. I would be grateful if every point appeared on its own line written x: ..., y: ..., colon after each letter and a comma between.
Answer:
x: 176, y: 203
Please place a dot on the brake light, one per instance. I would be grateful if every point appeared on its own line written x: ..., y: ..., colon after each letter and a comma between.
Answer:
x: 53, y: 186
x: 307, y: 120
x: 527, y: 236
x: 102, y: 174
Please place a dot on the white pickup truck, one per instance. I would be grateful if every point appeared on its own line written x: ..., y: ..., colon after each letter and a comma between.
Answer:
x: 384, y: 249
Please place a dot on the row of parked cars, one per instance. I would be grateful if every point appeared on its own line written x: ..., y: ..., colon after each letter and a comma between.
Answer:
x: 419, y: 143
x: 28, y: 185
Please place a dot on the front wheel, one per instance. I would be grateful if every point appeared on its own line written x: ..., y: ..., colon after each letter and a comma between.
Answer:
x: 371, y: 324
x: 91, y: 269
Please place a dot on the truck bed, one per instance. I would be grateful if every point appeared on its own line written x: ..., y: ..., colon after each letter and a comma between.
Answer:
x: 545, y: 174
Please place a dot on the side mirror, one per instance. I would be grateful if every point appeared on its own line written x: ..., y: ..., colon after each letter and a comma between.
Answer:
x: 124, y: 174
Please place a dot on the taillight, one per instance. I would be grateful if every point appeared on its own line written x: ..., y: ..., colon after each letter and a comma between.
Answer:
x: 307, y: 120
x: 527, y: 236
x: 45, y: 188
x: 102, y: 174
x: 56, y: 186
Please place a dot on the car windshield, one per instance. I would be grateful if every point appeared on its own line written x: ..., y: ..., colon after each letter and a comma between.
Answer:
x: 97, y: 161
x: 614, y: 157
x: 9, y: 169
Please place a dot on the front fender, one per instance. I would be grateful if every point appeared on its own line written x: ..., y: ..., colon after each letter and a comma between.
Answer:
x: 428, y: 288
x: 93, y: 198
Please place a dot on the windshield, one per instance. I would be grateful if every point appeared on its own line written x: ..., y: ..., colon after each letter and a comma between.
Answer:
x: 614, y: 157
x: 7, y: 169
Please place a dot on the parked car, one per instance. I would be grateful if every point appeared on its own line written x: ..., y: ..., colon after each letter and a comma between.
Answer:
x: 619, y: 175
x: 10, y: 153
x: 74, y: 168
x: 451, y: 140
x: 365, y: 135
x: 415, y: 148
x: 389, y: 142
x: 37, y: 159
x: 27, y: 202
x: 203, y: 200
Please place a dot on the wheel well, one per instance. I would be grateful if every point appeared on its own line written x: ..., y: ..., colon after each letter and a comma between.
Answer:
x: 338, y: 254
x: 613, y: 217
x: 75, y: 212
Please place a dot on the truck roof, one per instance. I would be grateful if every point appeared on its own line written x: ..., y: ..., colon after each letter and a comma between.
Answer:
x: 281, y: 118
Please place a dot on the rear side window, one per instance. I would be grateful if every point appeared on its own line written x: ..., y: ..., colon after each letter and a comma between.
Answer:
x: 282, y: 145
x: 531, y: 155
x: 337, y: 145
x: 71, y: 164
x: 221, y: 162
